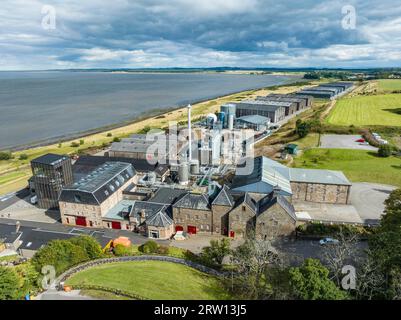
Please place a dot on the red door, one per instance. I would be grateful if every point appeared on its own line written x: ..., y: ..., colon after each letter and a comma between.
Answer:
x: 179, y: 228
x: 191, y: 229
x: 80, y: 221
x: 115, y: 225
x: 232, y: 234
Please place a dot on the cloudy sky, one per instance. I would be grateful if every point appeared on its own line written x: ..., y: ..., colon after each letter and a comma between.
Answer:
x: 199, y: 33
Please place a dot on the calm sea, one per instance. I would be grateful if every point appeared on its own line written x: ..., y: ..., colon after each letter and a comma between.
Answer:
x: 44, y: 106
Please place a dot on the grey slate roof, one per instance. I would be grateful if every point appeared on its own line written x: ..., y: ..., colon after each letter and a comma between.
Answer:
x: 159, y: 219
x: 224, y: 198
x: 193, y: 201
x: 99, y: 184
x: 269, y: 200
x: 167, y: 195
x: 245, y: 198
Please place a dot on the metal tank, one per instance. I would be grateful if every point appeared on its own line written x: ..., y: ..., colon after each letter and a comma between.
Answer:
x: 183, y: 173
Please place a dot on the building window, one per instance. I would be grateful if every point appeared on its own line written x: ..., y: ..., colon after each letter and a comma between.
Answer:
x: 243, y: 208
x: 196, y: 217
x: 207, y: 227
x: 67, y: 220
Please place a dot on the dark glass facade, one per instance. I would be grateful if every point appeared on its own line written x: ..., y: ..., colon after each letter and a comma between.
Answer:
x: 50, y: 174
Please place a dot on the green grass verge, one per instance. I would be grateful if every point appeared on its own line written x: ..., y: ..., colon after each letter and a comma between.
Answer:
x: 357, y: 165
x: 389, y: 85
x: 155, y: 280
x: 367, y: 110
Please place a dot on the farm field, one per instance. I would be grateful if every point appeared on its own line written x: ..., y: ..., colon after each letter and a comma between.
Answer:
x: 389, y: 85
x: 357, y: 165
x: 382, y: 110
x: 156, y: 280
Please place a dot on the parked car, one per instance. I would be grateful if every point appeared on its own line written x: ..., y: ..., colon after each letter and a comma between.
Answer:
x: 326, y: 241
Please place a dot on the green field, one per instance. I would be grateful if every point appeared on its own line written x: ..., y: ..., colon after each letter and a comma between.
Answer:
x: 154, y: 280
x: 389, y: 85
x: 357, y: 165
x: 382, y: 110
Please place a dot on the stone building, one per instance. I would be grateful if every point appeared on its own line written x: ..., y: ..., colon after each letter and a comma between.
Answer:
x: 270, y: 217
x: 322, y: 186
x: 87, y: 201
x: 192, y: 213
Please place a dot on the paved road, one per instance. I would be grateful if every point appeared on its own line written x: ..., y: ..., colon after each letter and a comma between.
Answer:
x: 368, y: 199
x: 11, y: 198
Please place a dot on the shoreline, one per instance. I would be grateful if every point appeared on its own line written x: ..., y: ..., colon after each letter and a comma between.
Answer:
x: 142, y: 117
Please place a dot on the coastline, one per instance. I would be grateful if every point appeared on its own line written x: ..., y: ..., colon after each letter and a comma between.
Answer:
x: 15, y: 172
x: 142, y: 117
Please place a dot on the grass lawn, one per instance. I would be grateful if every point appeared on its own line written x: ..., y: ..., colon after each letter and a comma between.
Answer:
x: 389, y: 85
x: 357, y: 165
x: 383, y: 110
x: 155, y: 280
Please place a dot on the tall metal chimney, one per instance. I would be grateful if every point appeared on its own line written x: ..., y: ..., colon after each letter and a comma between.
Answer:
x: 189, y: 134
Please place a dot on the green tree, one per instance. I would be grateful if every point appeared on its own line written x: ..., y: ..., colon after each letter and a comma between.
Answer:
x: 391, y: 220
x: 215, y: 253
x: 5, y: 155
x: 302, y: 128
x: 61, y: 254
x: 311, y: 282
x: 9, y: 284
x: 90, y: 245
x: 23, y: 156
x: 384, y: 150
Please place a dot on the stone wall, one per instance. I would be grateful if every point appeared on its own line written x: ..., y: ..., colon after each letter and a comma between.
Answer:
x: 322, y: 193
x: 220, y: 219
x: 274, y: 222
x: 241, y: 221
x: 201, y: 219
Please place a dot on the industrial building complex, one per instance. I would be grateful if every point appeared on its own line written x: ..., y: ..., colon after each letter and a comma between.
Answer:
x: 191, y: 182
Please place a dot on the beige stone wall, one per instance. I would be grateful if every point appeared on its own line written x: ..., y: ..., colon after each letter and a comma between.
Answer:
x: 323, y: 193
x: 273, y: 223
x: 201, y: 219
x: 220, y: 219
x: 164, y: 233
x: 240, y: 221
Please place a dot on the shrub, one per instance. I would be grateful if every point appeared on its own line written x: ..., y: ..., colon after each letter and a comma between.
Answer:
x: 23, y: 156
x: 163, y: 250
x: 384, y: 150
x: 109, y: 134
x: 90, y: 245
x: 120, y: 250
x: 9, y: 284
x: 81, y: 142
x: 74, y: 144
x: 215, y: 253
x: 61, y: 254
x: 116, y: 139
x: 149, y: 247
x: 5, y: 155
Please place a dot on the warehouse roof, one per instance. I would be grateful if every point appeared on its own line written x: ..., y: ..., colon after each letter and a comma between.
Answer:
x: 318, y: 176
x: 254, y: 119
x: 268, y: 175
x: 50, y: 159
x: 99, y: 184
x: 266, y: 102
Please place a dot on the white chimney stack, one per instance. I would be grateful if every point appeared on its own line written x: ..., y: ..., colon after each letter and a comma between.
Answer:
x: 189, y: 134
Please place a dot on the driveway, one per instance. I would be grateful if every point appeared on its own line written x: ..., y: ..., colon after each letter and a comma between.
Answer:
x: 368, y: 199
x: 340, y: 141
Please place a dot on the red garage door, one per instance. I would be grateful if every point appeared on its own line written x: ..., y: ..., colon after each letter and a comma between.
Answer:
x: 179, y: 228
x: 80, y: 221
x: 191, y: 229
x: 116, y: 225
